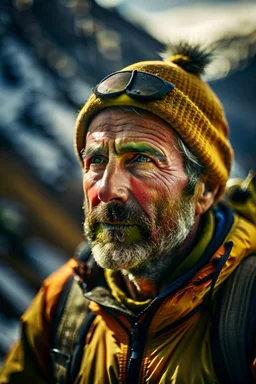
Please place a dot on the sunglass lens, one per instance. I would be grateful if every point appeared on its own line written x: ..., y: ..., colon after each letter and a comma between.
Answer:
x: 115, y: 83
x: 145, y: 84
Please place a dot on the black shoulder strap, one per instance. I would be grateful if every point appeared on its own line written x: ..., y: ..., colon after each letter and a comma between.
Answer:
x: 73, y: 320
x: 234, y: 325
x: 69, y: 333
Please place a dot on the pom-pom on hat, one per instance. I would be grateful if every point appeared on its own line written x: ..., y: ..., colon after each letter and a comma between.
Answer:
x: 192, y: 109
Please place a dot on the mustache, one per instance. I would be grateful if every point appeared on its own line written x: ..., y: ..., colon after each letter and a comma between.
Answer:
x: 118, y: 213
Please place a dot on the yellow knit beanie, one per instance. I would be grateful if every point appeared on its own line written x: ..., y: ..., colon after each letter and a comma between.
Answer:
x: 191, y: 108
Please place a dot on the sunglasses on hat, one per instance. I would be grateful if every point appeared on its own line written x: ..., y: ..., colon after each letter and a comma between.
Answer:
x: 136, y: 84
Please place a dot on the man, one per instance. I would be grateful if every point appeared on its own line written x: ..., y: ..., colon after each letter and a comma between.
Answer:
x: 153, y: 144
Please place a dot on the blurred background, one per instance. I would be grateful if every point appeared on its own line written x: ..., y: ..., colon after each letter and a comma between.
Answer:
x: 51, y: 54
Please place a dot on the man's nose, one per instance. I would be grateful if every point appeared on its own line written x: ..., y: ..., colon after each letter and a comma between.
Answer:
x: 113, y: 187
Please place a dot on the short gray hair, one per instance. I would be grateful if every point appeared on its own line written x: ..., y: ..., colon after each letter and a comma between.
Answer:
x: 192, y: 166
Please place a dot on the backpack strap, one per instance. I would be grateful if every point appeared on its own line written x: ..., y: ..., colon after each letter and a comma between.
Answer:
x: 234, y: 324
x: 73, y: 318
x: 70, y: 331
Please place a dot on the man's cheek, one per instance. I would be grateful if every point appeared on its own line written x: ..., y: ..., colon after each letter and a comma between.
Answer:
x: 146, y: 197
x: 141, y: 193
x: 91, y: 196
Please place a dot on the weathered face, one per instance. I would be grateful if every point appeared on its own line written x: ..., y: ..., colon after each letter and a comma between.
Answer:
x: 133, y: 183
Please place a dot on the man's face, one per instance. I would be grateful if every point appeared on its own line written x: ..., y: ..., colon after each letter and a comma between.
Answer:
x: 133, y: 183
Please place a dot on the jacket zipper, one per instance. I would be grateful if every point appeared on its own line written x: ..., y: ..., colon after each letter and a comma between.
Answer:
x: 133, y: 365
x: 136, y: 346
x: 138, y: 339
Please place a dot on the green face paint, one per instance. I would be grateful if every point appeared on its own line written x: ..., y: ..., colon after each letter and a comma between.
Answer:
x: 104, y: 232
x: 134, y: 234
x: 140, y: 147
x: 98, y: 228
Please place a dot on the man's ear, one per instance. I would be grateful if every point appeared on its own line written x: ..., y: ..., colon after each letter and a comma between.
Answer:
x: 204, y: 197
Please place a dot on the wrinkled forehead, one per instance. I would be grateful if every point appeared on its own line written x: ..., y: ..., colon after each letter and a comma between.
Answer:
x: 118, y: 112
x: 128, y: 122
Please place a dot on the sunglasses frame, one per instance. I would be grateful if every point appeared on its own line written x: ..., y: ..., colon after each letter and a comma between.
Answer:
x: 153, y: 96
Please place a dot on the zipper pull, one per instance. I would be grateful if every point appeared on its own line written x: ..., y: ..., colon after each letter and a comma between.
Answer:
x: 135, y: 341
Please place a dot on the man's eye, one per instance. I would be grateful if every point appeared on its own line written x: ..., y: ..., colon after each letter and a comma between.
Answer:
x: 97, y: 160
x: 141, y: 159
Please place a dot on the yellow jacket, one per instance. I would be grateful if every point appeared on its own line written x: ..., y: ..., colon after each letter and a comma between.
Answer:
x: 172, y: 332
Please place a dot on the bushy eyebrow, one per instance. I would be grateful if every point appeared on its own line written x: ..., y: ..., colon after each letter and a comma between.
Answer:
x: 141, y: 148
x: 126, y: 148
x: 93, y: 151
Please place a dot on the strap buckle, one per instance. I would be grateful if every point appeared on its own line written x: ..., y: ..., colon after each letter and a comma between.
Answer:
x: 61, y: 362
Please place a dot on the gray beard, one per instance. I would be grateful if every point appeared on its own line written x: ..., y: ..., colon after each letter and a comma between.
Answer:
x: 145, y: 258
